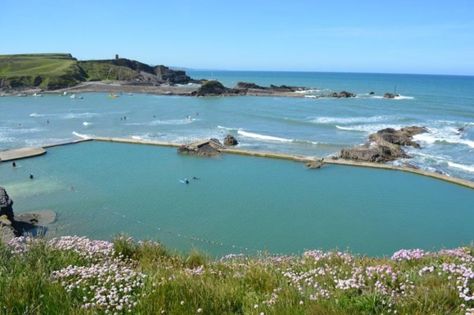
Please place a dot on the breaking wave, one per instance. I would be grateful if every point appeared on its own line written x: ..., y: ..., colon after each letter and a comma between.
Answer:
x: 467, y: 168
x: 67, y: 115
x: 367, y: 128
x: 268, y: 138
x: 158, y: 122
x: 80, y: 135
x: 449, y: 135
x: 349, y: 120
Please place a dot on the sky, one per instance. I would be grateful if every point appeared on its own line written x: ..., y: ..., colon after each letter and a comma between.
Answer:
x: 403, y: 36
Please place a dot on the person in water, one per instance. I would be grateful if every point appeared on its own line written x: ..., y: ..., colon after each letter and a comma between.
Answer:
x: 195, y: 178
x: 31, y: 176
x: 186, y: 181
x: 14, y: 164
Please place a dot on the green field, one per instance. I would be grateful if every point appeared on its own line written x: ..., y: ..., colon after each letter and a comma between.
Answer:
x: 47, y: 71
x: 54, y: 71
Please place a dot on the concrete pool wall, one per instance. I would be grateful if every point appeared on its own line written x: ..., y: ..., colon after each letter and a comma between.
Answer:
x: 31, y: 152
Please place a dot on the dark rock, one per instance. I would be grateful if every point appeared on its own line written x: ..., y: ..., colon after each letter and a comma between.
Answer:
x: 346, y: 94
x: 390, y: 95
x: 29, y: 222
x: 342, y: 94
x: 230, y: 140
x: 402, y: 137
x: 249, y: 85
x: 315, y: 164
x: 385, y: 145
x: 286, y: 88
x: 211, y: 88
x: 171, y: 76
x: 205, y: 148
x: 6, y: 204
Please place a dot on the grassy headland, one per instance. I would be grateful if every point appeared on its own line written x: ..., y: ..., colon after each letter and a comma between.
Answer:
x: 56, y: 71
x: 72, y: 275
x: 47, y: 71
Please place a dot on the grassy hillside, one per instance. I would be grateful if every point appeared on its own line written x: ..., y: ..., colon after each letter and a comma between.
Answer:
x: 54, y: 71
x: 104, y: 71
x: 73, y: 275
x: 47, y: 71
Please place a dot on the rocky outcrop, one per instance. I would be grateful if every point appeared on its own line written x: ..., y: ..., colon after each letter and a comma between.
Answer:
x: 215, y: 88
x: 390, y: 95
x: 249, y: 85
x: 16, y: 225
x: 315, y: 164
x: 385, y: 145
x: 230, y: 140
x: 6, y: 205
x: 206, y: 148
x: 343, y: 94
x: 402, y: 137
x: 286, y: 88
x: 170, y: 76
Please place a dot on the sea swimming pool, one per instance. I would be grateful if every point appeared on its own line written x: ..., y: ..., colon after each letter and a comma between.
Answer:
x: 238, y: 204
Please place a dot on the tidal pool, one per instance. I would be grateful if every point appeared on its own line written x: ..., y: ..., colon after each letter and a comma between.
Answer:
x: 238, y: 204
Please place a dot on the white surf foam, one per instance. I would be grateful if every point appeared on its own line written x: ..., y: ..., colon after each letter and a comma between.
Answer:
x: 443, y: 135
x: 37, y: 115
x: 227, y: 128
x: 268, y: 138
x: 403, y: 97
x: 467, y: 168
x: 67, y: 115
x: 80, y: 135
x: 348, y: 120
x: 86, y: 123
x: 262, y: 137
x: 367, y: 128
x: 79, y: 115
x: 158, y: 122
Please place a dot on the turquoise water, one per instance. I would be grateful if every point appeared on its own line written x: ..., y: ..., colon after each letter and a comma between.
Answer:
x: 239, y: 204
x: 316, y: 127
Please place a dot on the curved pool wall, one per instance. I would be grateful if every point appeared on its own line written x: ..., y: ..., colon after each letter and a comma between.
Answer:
x: 238, y: 204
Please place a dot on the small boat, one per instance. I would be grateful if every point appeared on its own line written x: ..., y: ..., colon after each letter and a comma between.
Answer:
x: 37, y: 94
x: 111, y: 95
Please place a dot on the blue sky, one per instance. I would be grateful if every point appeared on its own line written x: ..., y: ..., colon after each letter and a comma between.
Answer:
x: 402, y: 36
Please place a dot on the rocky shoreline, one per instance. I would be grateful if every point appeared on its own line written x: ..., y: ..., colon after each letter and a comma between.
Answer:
x: 384, y: 146
x: 30, y: 223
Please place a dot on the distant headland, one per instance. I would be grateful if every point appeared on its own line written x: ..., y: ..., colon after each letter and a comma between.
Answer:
x: 24, y: 74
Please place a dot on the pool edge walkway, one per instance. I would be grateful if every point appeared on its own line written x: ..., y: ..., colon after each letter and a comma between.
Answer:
x: 22, y: 153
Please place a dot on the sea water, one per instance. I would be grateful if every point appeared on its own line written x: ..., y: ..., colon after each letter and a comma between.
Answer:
x: 307, y: 125
x: 237, y: 204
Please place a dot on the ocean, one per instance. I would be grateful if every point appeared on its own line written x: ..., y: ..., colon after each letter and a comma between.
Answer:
x: 310, y: 126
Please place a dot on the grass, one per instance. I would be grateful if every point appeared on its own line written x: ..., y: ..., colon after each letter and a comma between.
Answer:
x: 47, y: 71
x: 79, y: 276
x: 54, y: 71
x: 101, y: 71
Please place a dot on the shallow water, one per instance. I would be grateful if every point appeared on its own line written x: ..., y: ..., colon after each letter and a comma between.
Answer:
x: 238, y: 204
x: 316, y: 127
